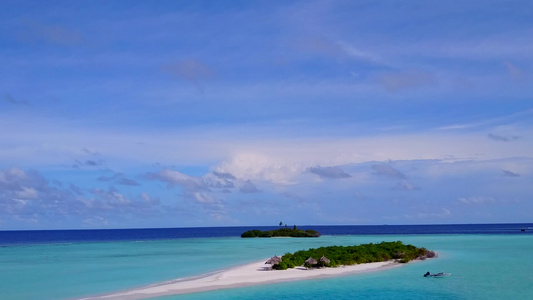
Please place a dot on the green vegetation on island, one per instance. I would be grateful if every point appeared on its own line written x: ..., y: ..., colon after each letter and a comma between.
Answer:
x: 334, y: 256
x: 282, y: 232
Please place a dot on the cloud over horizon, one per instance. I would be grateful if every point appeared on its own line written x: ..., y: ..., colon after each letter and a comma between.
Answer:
x: 329, y: 172
x: 227, y: 115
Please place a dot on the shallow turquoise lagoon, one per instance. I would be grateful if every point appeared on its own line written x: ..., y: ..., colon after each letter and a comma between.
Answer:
x: 483, y: 267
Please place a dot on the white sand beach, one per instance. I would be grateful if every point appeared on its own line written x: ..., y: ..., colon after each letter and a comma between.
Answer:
x: 246, y: 275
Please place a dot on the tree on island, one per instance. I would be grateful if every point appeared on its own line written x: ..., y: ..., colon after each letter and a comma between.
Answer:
x: 351, y: 255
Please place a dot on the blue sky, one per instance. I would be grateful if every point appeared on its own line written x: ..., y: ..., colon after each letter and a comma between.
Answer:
x: 117, y: 114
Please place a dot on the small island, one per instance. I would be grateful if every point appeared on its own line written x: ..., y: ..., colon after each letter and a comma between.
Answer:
x: 335, y: 256
x: 282, y: 232
x: 353, y: 259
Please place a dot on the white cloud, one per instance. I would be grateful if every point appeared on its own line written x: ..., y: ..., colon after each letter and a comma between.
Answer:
x: 389, y: 171
x: 248, y: 187
x: 310, y: 95
x: 112, y: 199
x: 96, y: 221
x: 149, y: 200
x: 474, y: 168
x: 245, y: 156
x: 329, y: 172
x: 508, y: 173
x: 258, y: 166
x: 406, y: 186
x: 354, y: 52
x: 204, y: 198
x: 177, y: 178
x: 27, y: 196
x: 26, y: 193
x: 501, y: 138
x: 477, y: 200
x: 505, y: 119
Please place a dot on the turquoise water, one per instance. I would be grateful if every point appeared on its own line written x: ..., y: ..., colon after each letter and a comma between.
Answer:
x: 483, y: 267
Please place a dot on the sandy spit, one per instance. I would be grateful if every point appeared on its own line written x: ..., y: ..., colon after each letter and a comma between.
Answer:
x: 246, y: 275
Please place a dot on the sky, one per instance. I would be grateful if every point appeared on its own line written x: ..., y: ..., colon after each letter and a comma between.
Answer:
x: 133, y: 114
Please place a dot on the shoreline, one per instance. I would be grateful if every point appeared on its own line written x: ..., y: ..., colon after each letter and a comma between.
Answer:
x: 250, y: 274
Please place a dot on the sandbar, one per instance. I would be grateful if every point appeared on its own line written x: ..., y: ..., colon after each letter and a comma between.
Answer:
x: 246, y: 275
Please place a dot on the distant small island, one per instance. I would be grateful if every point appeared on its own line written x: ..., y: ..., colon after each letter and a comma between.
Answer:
x: 282, y: 232
x: 335, y: 256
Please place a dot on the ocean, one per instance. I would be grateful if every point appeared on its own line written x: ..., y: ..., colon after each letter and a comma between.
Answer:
x: 487, y: 261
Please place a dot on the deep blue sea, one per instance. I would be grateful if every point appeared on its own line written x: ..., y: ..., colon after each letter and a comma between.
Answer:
x: 487, y: 261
